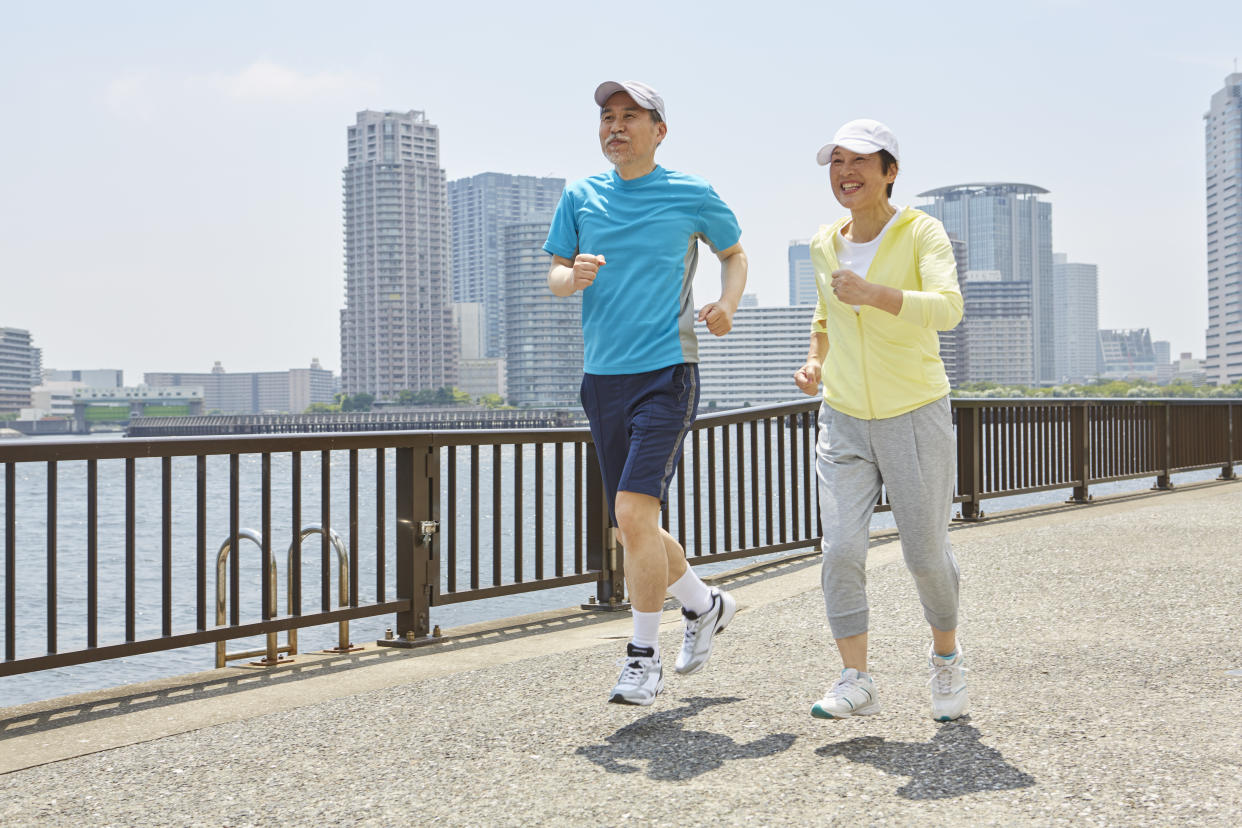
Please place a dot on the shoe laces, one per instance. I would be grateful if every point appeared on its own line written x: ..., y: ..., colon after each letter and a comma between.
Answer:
x: 634, y: 669
x: 941, y: 679
x: 841, y: 685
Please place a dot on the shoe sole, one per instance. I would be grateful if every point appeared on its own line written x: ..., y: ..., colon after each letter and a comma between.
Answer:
x: 617, y: 698
x: 724, y: 622
x: 869, y: 710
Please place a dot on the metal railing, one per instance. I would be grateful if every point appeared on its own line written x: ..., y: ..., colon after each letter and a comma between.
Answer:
x: 439, y: 518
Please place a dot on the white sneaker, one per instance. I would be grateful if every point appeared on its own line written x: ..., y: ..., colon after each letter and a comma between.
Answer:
x: 642, y: 677
x: 948, y: 686
x: 696, y: 646
x: 852, y: 695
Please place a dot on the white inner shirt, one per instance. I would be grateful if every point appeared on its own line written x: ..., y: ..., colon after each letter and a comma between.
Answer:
x: 857, y: 256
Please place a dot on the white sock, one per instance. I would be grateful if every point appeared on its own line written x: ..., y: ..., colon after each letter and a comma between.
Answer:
x: 646, y: 629
x: 693, y: 593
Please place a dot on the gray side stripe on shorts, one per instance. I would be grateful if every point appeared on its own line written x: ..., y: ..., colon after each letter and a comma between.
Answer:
x: 686, y: 421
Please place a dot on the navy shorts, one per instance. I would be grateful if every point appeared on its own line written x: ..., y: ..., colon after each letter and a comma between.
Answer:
x: 639, y: 423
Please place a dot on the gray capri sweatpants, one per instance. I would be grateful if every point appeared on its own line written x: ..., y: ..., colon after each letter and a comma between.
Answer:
x: 914, y: 455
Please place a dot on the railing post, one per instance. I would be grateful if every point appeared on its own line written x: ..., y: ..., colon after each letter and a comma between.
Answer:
x: 1164, y: 442
x: 1080, y: 451
x: 1226, y: 471
x: 603, y: 553
x: 969, y: 461
x: 417, y: 493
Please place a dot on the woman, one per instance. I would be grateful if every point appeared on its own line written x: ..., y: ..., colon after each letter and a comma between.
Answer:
x: 887, y: 283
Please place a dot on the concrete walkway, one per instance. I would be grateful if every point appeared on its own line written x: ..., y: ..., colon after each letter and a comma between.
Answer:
x: 1101, y: 641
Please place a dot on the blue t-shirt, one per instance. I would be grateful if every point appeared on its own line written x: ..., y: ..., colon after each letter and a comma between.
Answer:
x: 639, y: 313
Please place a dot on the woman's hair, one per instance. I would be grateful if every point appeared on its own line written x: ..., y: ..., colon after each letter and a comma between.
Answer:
x: 887, y: 160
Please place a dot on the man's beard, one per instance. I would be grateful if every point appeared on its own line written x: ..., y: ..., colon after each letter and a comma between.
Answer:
x: 617, y: 153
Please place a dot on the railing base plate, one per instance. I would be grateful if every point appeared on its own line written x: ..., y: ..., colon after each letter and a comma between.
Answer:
x: 407, y: 643
x: 264, y: 662
x: 341, y: 650
x: 618, y: 606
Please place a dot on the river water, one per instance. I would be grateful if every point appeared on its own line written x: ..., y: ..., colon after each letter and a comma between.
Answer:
x: 31, y: 522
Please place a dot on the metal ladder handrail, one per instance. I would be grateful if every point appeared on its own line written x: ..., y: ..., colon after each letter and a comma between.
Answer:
x: 342, y: 570
x: 272, y: 651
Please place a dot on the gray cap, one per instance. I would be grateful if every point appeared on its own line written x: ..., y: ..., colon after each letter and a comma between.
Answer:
x: 643, y: 95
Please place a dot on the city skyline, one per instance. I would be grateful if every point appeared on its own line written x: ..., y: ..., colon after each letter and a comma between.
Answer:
x: 207, y: 177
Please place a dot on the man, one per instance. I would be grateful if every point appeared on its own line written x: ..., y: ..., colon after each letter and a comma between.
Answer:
x: 628, y: 239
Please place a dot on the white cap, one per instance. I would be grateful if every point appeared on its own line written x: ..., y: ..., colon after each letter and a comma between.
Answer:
x: 862, y: 136
x: 643, y: 95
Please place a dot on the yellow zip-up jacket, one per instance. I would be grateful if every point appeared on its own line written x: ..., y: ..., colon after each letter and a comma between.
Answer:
x: 880, y: 365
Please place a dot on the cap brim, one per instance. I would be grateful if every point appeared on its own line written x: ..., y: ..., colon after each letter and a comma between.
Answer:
x: 853, y: 145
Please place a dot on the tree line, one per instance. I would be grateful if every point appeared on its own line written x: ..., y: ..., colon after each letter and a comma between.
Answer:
x: 445, y: 396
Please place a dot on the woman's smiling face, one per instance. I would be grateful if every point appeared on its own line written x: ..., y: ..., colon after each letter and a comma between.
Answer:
x: 859, y: 181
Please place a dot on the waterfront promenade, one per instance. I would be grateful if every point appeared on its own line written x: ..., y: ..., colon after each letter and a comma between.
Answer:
x: 1101, y: 640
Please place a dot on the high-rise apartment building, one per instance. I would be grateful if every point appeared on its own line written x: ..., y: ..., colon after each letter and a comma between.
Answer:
x: 1007, y: 230
x: 802, y: 290
x: 998, y: 338
x: 480, y: 207
x: 21, y: 369
x: 1222, y: 129
x: 543, y: 332
x: 397, y: 324
x: 1076, y: 319
x: 756, y: 361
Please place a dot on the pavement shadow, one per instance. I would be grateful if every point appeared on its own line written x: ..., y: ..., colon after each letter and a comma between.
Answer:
x: 954, y: 763
x: 672, y: 752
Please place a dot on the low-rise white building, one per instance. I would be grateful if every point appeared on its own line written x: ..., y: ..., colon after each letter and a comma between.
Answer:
x: 754, y: 363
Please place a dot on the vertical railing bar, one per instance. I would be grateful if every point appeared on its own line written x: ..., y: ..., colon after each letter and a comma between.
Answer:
x: 474, y: 517
x: 1041, y: 419
x: 131, y: 603
x: 353, y: 527
x: 754, y: 482
x: 325, y: 507
x: 1028, y: 444
x: 767, y: 481
x: 579, y: 496
x: 781, y: 425
x: 234, y: 540
x: 295, y: 563
x: 496, y: 488
x: 1014, y: 480
x: 200, y: 541
x: 696, y: 437
x: 741, y: 485
x: 166, y: 595
x: 558, y: 508
x: 10, y: 562
x: 726, y: 477
x: 51, y: 557
x: 381, y: 528
x: 265, y: 520
x: 518, y: 515
x: 711, y: 492
x: 989, y: 433
x: 789, y: 424
x: 538, y: 449
x: 809, y: 437
x: 451, y: 528
x: 92, y: 553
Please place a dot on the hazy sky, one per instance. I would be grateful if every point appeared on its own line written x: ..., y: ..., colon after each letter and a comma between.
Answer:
x: 172, y: 176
